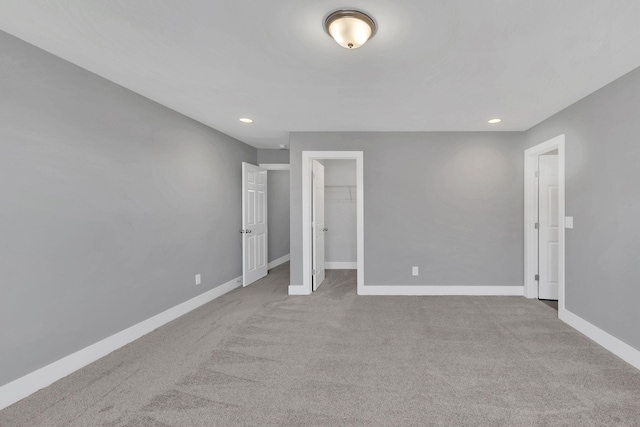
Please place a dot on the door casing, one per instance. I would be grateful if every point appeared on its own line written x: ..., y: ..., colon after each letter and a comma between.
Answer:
x: 307, y: 158
x: 531, y: 217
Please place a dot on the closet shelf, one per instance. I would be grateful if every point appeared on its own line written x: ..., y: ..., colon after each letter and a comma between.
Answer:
x: 340, y: 193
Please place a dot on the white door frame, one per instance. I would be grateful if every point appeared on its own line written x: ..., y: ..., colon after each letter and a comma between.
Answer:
x: 307, y: 157
x: 531, y: 217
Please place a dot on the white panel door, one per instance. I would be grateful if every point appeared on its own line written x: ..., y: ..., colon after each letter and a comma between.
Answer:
x: 317, y: 223
x: 254, y: 223
x: 549, y: 227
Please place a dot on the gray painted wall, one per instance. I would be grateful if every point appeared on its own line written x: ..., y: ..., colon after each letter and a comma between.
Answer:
x: 111, y: 204
x: 340, y: 210
x: 602, y: 180
x: 339, y: 172
x: 273, y: 156
x: 278, y: 214
x: 450, y: 203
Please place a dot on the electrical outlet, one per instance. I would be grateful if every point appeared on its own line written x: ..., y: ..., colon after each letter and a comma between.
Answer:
x: 198, y: 279
x: 414, y: 271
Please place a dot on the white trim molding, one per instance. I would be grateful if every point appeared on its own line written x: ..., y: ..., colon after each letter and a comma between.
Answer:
x: 25, y: 386
x: 531, y: 216
x: 621, y: 349
x: 307, y: 158
x: 443, y: 290
x: 329, y: 265
x: 298, y: 290
x: 279, y: 261
x: 275, y: 166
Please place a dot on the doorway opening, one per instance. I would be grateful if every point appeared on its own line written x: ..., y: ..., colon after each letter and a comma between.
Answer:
x: 313, y: 227
x: 340, y: 203
x: 544, y: 222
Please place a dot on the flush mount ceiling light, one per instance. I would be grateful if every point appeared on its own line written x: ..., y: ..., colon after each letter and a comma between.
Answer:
x: 246, y: 120
x: 494, y: 121
x: 350, y: 28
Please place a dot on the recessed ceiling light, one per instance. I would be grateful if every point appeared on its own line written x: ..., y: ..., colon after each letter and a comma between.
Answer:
x: 246, y: 120
x: 350, y: 28
x: 494, y: 121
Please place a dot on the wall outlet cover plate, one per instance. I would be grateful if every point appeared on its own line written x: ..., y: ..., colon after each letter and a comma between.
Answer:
x: 568, y: 222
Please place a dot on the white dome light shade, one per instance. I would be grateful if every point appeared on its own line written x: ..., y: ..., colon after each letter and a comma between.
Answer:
x: 350, y: 28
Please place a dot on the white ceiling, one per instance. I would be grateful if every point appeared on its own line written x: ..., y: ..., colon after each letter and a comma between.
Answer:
x: 434, y: 65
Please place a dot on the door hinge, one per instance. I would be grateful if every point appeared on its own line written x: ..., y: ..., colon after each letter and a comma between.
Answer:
x: 537, y: 174
x: 313, y: 273
x: 537, y: 225
x: 537, y: 278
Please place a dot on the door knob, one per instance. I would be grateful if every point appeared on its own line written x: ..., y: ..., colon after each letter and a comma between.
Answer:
x: 248, y: 231
x: 325, y: 229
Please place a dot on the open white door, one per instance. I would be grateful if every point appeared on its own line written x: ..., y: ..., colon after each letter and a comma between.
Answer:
x: 317, y: 224
x: 254, y: 223
x: 549, y: 230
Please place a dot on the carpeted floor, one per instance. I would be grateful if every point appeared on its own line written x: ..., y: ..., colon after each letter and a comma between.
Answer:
x: 551, y: 303
x: 257, y: 357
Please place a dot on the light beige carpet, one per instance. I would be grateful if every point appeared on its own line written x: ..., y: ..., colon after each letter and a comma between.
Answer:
x: 257, y: 357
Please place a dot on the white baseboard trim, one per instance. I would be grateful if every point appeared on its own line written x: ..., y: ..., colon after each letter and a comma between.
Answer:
x: 442, y: 290
x: 335, y: 265
x: 298, y: 290
x: 279, y: 261
x: 621, y: 349
x: 25, y: 386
